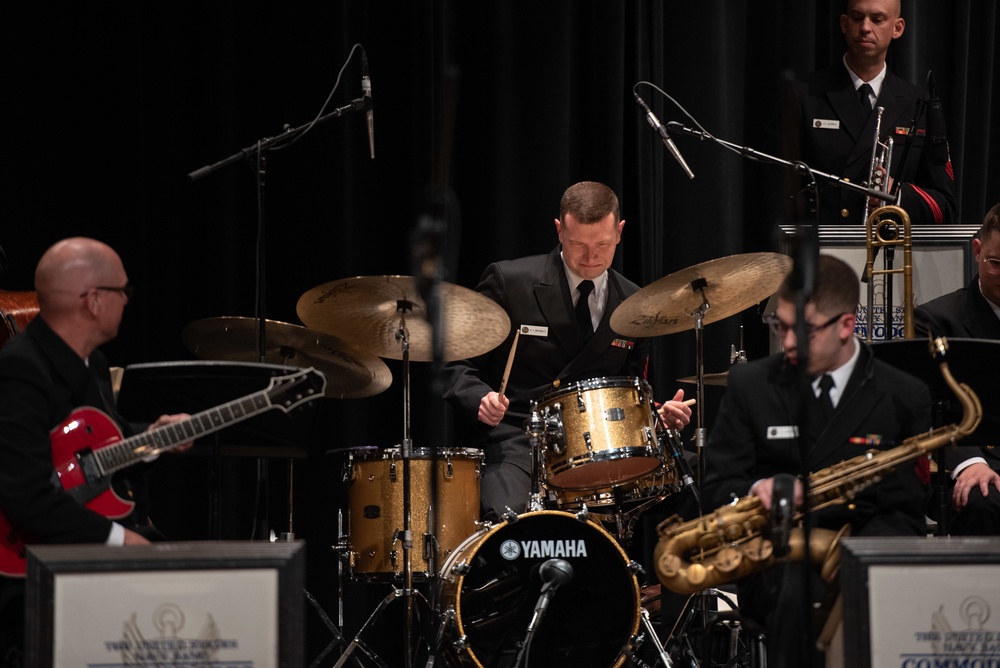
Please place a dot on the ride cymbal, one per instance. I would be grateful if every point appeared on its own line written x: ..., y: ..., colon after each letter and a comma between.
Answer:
x: 730, y: 284
x: 721, y: 379
x: 369, y: 310
x: 350, y: 371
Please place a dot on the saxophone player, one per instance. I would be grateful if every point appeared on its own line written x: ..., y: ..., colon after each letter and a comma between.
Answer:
x: 971, y: 312
x: 775, y: 418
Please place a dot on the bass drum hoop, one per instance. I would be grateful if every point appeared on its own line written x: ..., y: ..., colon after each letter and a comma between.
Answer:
x: 457, y: 570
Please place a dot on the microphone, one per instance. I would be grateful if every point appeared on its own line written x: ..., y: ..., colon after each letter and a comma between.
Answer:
x: 937, y: 149
x: 554, y: 573
x: 654, y: 123
x: 782, y: 512
x: 366, y: 90
x: 676, y: 451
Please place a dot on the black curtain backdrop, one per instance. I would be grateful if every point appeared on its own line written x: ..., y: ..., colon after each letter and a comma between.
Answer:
x: 108, y: 106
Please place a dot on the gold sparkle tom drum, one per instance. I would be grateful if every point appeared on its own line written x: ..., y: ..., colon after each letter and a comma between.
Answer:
x: 375, y: 509
x: 604, y: 435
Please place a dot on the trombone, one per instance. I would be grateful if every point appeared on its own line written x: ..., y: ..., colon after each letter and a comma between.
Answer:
x: 888, y: 227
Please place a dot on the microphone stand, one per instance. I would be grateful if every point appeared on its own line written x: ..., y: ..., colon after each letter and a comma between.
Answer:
x: 799, y: 167
x: 357, y: 104
x: 260, y: 149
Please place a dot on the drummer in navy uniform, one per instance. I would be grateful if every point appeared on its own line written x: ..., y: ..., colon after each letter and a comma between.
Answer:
x: 563, y: 341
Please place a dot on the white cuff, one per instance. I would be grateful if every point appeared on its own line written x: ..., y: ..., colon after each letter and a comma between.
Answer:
x: 117, y: 536
x: 966, y: 464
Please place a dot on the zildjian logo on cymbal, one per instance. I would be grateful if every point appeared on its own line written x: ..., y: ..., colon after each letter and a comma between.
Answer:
x: 651, y: 320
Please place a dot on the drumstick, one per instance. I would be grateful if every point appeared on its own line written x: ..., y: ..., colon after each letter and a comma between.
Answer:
x: 510, y: 361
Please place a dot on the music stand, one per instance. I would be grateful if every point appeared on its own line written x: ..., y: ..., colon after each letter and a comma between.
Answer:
x: 150, y: 390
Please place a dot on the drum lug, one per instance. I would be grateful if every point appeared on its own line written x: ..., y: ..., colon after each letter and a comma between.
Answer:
x: 461, y: 568
x: 587, y: 441
x: 449, y: 470
x: 635, y: 568
x: 583, y: 514
x: 649, y: 435
x: 392, y: 470
x: 580, y: 403
x: 509, y: 516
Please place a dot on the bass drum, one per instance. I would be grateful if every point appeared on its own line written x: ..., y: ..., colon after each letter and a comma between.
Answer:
x: 490, y: 585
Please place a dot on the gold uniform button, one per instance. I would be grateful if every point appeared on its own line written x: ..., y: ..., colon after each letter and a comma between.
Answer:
x: 844, y: 213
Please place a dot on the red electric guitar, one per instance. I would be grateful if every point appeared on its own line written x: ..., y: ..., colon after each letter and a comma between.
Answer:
x: 88, y: 447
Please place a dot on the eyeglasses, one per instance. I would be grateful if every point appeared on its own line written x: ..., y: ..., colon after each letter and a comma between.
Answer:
x: 780, y: 329
x: 992, y: 265
x: 127, y: 290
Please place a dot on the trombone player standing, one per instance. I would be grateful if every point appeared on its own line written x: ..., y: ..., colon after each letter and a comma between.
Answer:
x: 827, y: 121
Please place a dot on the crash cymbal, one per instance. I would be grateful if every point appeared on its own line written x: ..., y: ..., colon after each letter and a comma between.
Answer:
x: 366, y: 310
x: 721, y: 378
x: 731, y: 284
x: 350, y: 372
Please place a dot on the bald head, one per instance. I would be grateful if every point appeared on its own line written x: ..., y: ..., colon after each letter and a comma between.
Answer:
x: 81, y: 292
x: 72, y: 266
x: 893, y: 8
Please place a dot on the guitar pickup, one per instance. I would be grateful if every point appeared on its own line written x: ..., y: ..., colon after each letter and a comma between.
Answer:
x: 88, y: 465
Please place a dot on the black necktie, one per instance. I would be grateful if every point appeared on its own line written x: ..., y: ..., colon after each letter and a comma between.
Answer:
x: 583, y: 309
x: 864, y: 97
x: 825, y: 402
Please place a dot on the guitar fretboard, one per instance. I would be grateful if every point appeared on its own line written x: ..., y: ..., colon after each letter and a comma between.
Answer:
x: 126, y: 452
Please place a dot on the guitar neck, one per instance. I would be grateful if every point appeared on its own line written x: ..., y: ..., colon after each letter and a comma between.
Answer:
x: 135, y: 448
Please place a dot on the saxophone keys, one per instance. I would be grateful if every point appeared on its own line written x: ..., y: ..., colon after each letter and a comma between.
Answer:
x: 728, y: 559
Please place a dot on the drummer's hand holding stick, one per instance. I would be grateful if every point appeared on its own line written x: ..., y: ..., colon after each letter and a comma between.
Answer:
x: 676, y: 413
x: 494, y: 405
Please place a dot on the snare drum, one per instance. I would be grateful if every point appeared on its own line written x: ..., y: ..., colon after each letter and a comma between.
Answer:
x: 605, y: 433
x: 490, y: 585
x: 661, y: 483
x: 375, y: 509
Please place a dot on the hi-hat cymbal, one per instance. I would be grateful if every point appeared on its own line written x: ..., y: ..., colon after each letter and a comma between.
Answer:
x: 721, y: 378
x: 350, y: 372
x: 731, y: 284
x: 368, y: 311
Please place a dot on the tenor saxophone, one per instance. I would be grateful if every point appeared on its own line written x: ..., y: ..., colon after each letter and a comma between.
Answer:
x: 731, y: 543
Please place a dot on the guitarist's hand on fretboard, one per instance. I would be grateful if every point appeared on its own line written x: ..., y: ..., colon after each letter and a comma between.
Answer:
x: 171, y: 419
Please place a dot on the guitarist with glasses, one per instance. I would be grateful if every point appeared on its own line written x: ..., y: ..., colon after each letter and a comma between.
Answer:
x: 49, y: 370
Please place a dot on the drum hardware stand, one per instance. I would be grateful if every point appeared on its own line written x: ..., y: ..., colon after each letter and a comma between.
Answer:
x: 359, y: 643
x: 338, y: 637
x: 660, y: 649
x: 536, y: 428
x: 699, y: 285
x: 750, y: 656
x: 738, y: 356
x: 405, y: 536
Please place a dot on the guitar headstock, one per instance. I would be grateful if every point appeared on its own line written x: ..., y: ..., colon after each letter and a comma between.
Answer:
x: 293, y: 390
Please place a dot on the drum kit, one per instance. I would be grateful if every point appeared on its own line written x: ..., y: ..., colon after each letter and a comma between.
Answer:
x: 597, y: 443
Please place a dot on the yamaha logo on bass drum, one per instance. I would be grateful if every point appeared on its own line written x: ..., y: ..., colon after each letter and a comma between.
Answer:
x: 543, y: 549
